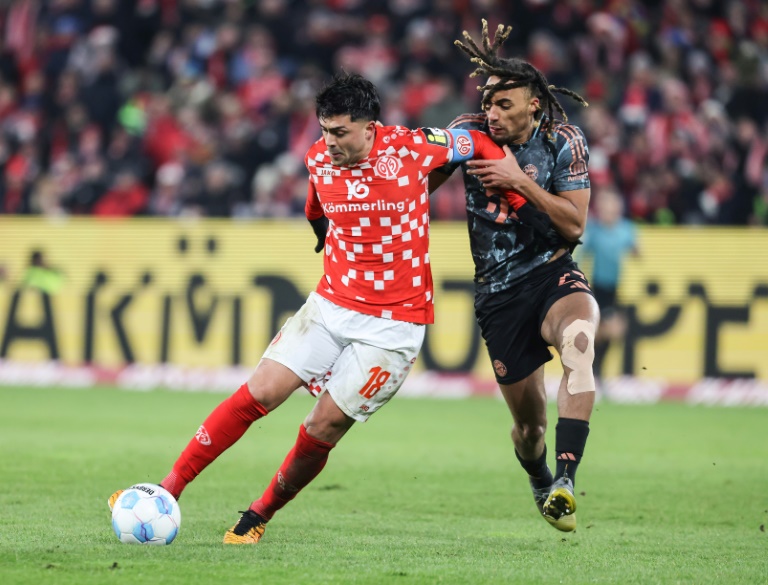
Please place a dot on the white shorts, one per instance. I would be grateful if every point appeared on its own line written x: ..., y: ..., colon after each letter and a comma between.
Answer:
x: 361, y: 360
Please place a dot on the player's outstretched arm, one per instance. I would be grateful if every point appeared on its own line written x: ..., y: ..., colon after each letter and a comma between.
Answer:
x: 465, y: 145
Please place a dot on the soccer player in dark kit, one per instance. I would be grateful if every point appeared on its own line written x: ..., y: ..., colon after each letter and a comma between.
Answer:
x: 529, y: 293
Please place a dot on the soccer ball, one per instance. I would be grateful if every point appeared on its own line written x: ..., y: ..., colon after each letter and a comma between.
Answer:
x: 146, y: 513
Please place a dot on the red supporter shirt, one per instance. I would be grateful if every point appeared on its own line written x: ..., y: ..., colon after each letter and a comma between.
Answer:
x: 377, y: 246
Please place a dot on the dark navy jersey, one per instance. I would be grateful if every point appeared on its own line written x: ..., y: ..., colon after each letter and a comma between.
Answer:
x: 501, y: 256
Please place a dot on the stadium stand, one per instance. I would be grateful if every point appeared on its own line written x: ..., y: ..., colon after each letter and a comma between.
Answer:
x: 205, y: 107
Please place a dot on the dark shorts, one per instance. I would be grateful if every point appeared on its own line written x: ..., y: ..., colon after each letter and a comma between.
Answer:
x: 606, y: 300
x: 510, y: 320
x: 605, y: 296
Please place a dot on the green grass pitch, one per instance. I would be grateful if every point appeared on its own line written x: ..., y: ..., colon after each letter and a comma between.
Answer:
x: 428, y: 491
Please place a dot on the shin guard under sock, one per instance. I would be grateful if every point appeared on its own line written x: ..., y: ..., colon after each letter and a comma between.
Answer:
x: 223, y: 427
x: 570, y: 439
x: 304, y: 462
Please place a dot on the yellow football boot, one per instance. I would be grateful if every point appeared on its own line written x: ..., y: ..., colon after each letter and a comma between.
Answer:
x: 560, y: 507
x: 249, y: 529
x: 113, y: 498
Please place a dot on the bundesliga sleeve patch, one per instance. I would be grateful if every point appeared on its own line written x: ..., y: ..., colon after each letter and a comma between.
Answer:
x: 436, y: 136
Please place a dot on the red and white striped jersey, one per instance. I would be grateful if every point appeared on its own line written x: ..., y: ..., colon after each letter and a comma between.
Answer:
x: 377, y: 246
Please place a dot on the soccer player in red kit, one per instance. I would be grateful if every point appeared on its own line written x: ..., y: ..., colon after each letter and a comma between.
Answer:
x: 357, y: 336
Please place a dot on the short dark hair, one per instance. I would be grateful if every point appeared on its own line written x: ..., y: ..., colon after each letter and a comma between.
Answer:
x: 348, y: 93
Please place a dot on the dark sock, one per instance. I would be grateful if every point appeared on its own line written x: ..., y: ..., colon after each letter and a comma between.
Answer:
x: 570, y: 439
x: 601, y: 350
x: 537, y: 470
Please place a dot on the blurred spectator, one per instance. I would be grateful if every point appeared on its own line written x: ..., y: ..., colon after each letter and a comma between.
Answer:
x: 41, y: 276
x: 216, y: 194
x: 94, y: 92
x: 91, y: 185
x: 166, y: 198
x: 126, y: 196
x: 376, y: 57
x: 16, y: 187
x: 608, y: 240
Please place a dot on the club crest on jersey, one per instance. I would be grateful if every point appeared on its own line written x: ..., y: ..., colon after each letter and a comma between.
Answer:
x: 531, y: 171
x: 327, y: 172
x: 499, y: 368
x: 436, y: 136
x: 387, y: 167
x: 463, y: 145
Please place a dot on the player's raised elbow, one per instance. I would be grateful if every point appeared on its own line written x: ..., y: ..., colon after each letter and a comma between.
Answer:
x: 572, y: 219
x: 571, y: 231
x: 574, y: 233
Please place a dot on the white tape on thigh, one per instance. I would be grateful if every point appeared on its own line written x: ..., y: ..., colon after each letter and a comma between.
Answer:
x: 581, y: 378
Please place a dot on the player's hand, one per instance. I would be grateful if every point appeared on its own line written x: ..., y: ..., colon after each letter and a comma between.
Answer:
x: 320, y: 227
x: 503, y: 173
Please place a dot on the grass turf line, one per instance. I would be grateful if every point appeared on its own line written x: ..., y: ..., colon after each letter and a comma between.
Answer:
x: 428, y: 491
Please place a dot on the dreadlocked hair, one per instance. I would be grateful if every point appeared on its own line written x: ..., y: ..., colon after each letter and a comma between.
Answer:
x: 513, y: 73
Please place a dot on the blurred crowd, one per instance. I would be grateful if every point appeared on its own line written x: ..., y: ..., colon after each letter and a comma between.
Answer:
x: 206, y: 107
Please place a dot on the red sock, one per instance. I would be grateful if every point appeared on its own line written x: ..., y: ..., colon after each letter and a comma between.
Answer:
x: 223, y: 427
x: 305, y: 461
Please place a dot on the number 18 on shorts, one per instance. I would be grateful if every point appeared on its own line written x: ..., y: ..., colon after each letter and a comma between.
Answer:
x: 360, y: 360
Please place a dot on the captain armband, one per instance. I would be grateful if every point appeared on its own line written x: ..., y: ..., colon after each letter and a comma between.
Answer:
x: 463, y: 145
x: 460, y: 142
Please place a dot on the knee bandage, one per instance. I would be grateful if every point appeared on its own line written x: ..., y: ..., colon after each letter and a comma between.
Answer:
x: 578, y: 353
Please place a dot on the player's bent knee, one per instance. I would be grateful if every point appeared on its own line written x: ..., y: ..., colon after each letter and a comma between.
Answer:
x: 578, y: 353
x: 531, y: 434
